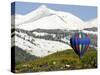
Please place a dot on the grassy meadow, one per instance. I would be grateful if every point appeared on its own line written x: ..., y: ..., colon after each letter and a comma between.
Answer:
x: 64, y: 60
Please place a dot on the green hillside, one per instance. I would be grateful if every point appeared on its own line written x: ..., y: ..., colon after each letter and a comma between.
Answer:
x: 22, y: 56
x: 64, y: 60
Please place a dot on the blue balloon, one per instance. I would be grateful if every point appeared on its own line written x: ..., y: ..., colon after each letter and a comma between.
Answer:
x: 80, y: 43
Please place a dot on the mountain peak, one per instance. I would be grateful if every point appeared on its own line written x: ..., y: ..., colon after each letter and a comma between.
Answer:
x: 43, y: 6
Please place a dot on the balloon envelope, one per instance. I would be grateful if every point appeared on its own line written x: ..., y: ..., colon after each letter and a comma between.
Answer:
x: 80, y: 43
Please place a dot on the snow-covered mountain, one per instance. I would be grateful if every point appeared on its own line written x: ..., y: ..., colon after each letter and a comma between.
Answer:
x: 41, y: 47
x: 91, y: 23
x: 45, y: 31
x: 44, y: 16
x: 91, y: 26
x: 38, y: 46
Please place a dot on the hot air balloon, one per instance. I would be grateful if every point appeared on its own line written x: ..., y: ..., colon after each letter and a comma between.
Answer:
x: 80, y: 43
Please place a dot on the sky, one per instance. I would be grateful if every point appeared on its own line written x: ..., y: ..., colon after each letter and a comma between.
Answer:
x: 84, y: 12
